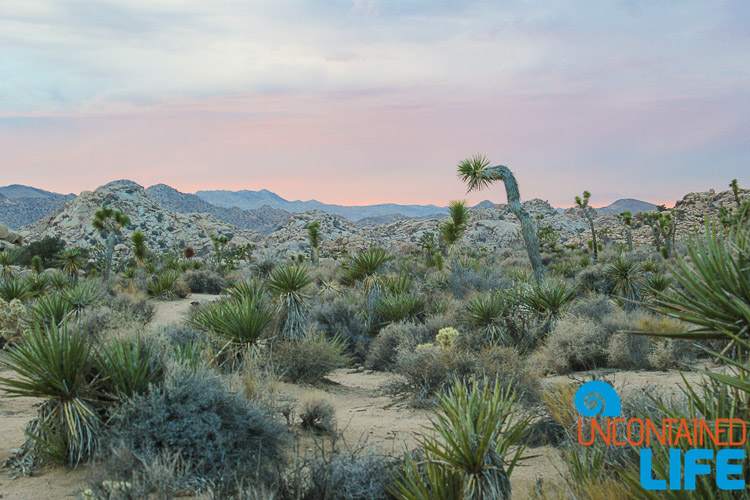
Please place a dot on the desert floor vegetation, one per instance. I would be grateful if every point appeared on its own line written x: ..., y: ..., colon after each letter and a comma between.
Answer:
x: 378, y: 375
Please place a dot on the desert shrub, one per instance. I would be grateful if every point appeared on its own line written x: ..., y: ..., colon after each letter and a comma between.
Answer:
x: 428, y: 370
x: 509, y: 369
x: 629, y: 352
x: 575, y: 344
x: 342, y: 319
x: 165, y: 286
x: 405, y: 335
x: 470, y: 276
x: 220, y: 436
x: 593, y: 279
x: 11, y: 321
x: 82, y: 295
x: 309, y: 359
x: 205, y: 281
x: 136, y: 306
x: 317, y: 414
x: 359, y: 474
x: 594, y: 307
x: 93, y: 321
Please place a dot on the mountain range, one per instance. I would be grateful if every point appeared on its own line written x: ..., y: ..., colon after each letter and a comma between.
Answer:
x: 261, y: 211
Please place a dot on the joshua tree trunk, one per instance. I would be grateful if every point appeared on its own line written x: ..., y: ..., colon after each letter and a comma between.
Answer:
x: 593, y: 235
x: 629, y: 235
x: 528, y: 230
x: 108, y: 256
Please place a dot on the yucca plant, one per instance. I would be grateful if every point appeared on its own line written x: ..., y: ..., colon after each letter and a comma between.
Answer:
x: 363, y: 266
x: 50, y: 310
x: 547, y: 300
x: 128, y: 368
x: 7, y: 259
x: 58, y: 281
x: 162, y: 285
x: 252, y: 289
x: 655, y: 284
x: 242, y: 321
x: 71, y: 261
x: 14, y: 288
x: 713, y: 297
x: 38, y: 283
x: 486, y: 313
x: 394, y: 307
x: 286, y: 284
x: 476, y: 437
x: 623, y: 274
x: 56, y: 365
x: 403, y: 283
x: 81, y: 296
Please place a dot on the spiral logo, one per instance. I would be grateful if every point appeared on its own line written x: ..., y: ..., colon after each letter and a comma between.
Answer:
x: 596, y: 398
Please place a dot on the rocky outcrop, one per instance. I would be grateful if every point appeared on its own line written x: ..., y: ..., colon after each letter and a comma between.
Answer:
x: 9, y: 239
x: 164, y: 230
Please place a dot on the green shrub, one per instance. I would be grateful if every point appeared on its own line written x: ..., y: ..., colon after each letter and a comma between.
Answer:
x: 393, y: 307
x: 47, y: 249
x: 309, y: 359
x: 358, y: 474
x: 547, y: 300
x: 52, y: 309
x: 205, y: 281
x: 134, y: 305
x: 339, y: 318
x: 286, y: 284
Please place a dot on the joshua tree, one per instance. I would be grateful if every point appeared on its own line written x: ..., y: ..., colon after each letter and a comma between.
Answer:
x: 220, y: 242
x: 109, y: 222
x: 477, y: 173
x: 313, y: 235
x: 627, y: 220
x: 140, y: 250
x: 663, y: 226
x: 454, y: 229
x: 736, y: 192
x: 583, y: 204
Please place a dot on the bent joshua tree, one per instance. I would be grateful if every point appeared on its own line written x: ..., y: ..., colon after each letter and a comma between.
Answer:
x: 478, y: 174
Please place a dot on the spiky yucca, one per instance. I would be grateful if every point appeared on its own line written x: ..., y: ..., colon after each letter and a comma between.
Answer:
x: 286, y: 284
x: 467, y: 450
x: 624, y: 275
x: 486, y: 313
x: 547, y: 300
x: 56, y: 364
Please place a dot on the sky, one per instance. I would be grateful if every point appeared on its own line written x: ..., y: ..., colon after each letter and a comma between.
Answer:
x: 361, y: 102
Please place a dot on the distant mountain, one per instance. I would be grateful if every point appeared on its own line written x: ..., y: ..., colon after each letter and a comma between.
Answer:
x: 621, y: 206
x: 17, y: 191
x: 264, y: 219
x: 250, y: 200
x: 22, y: 205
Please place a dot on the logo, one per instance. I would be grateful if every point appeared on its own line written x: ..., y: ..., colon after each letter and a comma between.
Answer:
x: 599, y: 399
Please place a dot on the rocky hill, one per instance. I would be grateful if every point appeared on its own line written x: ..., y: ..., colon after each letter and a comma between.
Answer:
x: 263, y: 220
x: 163, y: 229
x: 249, y: 200
x: 634, y: 206
x: 22, y: 205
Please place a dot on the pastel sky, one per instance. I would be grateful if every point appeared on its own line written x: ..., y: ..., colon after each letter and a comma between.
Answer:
x: 365, y: 101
